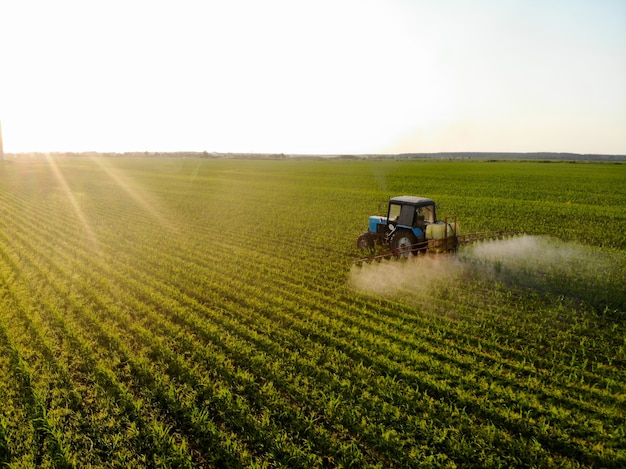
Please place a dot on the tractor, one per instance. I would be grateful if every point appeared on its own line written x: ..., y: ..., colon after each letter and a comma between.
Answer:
x: 411, y: 227
x: 410, y: 224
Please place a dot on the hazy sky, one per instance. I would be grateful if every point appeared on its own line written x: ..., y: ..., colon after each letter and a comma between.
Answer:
x: 313, y: 76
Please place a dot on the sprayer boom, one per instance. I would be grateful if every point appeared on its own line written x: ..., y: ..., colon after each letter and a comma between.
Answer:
x: 468, y: 238
x: 449, y: 244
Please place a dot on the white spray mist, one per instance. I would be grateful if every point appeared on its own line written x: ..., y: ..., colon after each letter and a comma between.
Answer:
x: 532, y: 262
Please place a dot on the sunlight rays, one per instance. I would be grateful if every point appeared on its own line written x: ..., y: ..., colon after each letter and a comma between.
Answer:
x: 139, y: 195
x: 58, y: 175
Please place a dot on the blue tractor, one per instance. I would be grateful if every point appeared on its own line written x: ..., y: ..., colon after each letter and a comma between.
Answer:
x: 410, y: 227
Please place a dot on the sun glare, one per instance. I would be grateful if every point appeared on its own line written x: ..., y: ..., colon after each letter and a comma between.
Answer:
x: 58, y: 175
x: 139, y: 195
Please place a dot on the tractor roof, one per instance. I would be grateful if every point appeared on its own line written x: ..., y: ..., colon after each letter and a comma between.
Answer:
x: 412, y: 200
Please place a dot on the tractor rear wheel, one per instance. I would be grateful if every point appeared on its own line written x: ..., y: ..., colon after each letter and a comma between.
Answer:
x: 365, y: 242
x: 403, y: 242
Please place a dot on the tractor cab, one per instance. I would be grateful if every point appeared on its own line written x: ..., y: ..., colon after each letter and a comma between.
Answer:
x: 412, y: 213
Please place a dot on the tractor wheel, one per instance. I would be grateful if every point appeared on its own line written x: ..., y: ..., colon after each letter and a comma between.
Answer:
x: 403, y: 242
x: 365, y: 242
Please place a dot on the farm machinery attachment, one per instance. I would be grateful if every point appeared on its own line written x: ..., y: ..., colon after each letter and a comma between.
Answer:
x: 411, y: 228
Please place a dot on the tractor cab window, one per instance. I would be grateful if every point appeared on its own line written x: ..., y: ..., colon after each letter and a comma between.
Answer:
x: 394, y: 212
x: 428, y: 212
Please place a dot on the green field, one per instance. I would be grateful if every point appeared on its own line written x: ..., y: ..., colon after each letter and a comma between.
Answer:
x: 164, y: 312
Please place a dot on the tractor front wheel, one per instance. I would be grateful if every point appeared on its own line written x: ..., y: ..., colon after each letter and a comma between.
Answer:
x: 403, y: 242
x: 365, y: 242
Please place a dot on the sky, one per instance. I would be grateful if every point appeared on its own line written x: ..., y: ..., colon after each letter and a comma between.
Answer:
x: 313, y: 76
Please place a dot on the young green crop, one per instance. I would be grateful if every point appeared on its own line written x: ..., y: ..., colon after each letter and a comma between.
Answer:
x: 205, y: 312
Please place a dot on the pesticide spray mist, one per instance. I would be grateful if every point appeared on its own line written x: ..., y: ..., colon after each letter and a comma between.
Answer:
x: 541, y: 264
